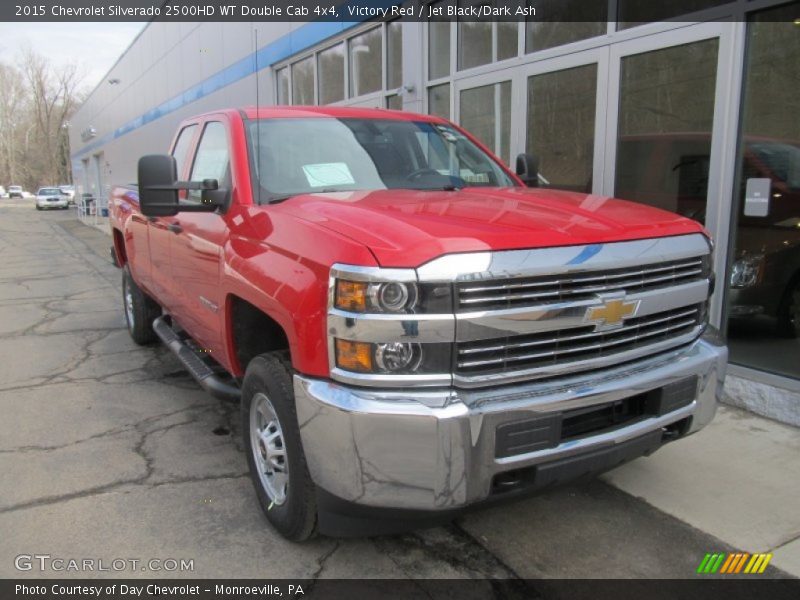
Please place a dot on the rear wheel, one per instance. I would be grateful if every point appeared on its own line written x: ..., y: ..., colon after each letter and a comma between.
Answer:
x: 274, y: 448
x: 140, y: 310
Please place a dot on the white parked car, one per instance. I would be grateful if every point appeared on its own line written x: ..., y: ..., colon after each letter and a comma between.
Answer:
x: 51, y: 197
x: 2, y: 192
x: 69, y: 192
x: 15, y: 191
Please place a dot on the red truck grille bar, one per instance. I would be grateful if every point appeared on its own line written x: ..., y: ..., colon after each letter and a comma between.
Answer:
x: 576, y: 344
x: 511, y: 293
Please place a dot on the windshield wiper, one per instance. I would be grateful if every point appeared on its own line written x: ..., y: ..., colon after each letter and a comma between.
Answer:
x: 438, y: 188
x: 279, y: 199
x: 275, y: 199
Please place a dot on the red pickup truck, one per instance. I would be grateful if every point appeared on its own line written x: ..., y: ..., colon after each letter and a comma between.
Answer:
x: 409, y: 327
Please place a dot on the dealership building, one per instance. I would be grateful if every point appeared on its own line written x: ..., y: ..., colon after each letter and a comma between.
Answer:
x: 697, y: 113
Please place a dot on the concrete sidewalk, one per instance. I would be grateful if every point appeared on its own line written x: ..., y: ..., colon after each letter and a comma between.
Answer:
x: 738, y: 479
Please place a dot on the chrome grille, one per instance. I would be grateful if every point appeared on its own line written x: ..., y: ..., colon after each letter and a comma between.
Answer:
x: 511, y: 293
x: 515, y: 353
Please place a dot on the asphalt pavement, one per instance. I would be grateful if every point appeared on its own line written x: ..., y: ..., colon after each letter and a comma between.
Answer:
x: 109, y: 450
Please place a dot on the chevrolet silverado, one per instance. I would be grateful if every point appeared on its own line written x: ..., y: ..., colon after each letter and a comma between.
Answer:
x: 410, y: 327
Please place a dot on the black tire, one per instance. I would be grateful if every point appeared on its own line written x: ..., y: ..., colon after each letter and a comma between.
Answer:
x: 270, y: 375
x: 142, y: 311
x: 38, y: 207
x: 788, y: 325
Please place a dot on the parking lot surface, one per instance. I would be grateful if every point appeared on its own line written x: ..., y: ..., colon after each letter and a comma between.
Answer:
x: 109, y: 450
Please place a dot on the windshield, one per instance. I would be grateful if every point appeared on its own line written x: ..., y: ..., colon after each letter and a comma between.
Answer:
x: 301, y: 156
x: 49, y: 192
x: 782, y: 159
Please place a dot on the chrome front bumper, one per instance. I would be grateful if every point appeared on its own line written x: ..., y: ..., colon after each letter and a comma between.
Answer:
x: 435, y: 449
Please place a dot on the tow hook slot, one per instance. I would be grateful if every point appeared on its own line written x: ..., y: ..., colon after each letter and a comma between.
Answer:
x: 675, y: 430
x: 505, y: 482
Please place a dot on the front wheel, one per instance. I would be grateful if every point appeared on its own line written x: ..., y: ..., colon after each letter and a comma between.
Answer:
x: 140, y: 310
x: 789, y: 312
x: 274, y: 449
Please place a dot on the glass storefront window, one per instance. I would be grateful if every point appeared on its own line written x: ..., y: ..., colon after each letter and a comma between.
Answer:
x: 394, y: 102
x: 665, y: 117
x: 561, y: 121
x: 484, y: 42
x: 486, y: 113
x: 567, y: 21
x: 638, y: 12
x: 303, y: 81
x: 764, y: 287
x: 366, y: 62
x: 474, y: 44
x: 394, y: 51
x: 282, y: 77
x: 330, y: 67
x: 507, y: 42
x: 438, y: 49
x: 439, y: 100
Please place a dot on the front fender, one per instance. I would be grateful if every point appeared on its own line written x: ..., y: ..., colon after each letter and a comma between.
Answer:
x: 281, y: 265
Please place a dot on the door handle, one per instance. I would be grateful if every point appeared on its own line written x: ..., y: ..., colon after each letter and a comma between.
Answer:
x: 175, y: 227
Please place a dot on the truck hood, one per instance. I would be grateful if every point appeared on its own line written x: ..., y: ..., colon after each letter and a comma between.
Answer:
x: 407, y: 228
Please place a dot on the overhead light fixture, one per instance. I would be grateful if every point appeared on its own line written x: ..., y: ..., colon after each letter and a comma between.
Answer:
x: 113, y: 81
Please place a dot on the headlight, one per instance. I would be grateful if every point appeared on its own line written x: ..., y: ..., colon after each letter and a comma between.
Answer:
x: 392, y: 297
x: 396, y: 358
x: 362, y: 296
x: 747, y: 271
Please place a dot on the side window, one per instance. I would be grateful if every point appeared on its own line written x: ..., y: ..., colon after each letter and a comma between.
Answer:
x: 181, y: 151
x: 212, y: 158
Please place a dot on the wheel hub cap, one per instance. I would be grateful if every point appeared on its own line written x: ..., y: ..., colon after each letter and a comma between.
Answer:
x: 129, y: 306
x: 269, y: 449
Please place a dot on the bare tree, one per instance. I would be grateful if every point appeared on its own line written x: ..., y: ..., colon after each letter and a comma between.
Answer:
x: 12, y: 105
x: 36, y: 101
x: 53, y: 99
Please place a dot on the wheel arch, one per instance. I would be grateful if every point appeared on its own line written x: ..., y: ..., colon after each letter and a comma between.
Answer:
x: 251, y: 331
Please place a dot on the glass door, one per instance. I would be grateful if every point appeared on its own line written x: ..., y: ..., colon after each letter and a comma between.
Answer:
x: 666, y: 126
x: 563, y: 121
x: 483, y: 107
x: 764, y: 283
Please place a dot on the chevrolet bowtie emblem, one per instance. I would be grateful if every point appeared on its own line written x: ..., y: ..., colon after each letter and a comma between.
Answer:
x: 611, y: 313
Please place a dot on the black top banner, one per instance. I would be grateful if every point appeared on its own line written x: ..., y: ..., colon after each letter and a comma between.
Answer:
x: 468, y: 11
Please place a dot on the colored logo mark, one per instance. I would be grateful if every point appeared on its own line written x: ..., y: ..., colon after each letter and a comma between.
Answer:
x: 734, y: 563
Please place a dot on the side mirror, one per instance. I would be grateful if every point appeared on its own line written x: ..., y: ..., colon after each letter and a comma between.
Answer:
x: 528, y: 169
x: 158, y: 196
x: 159, y: 185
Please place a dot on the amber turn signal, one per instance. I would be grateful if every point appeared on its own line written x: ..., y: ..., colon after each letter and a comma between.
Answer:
x: 354, y: 356
x: 351, y: 295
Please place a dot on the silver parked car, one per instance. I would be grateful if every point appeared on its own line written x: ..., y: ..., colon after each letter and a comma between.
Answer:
x: 51, y: 197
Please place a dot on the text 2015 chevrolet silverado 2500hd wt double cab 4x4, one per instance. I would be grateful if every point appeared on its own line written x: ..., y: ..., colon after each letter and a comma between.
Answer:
x: 411, y: 330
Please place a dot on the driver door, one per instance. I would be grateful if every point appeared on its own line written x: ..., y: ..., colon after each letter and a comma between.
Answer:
x: 158, y: 229
x: 197, y: 240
